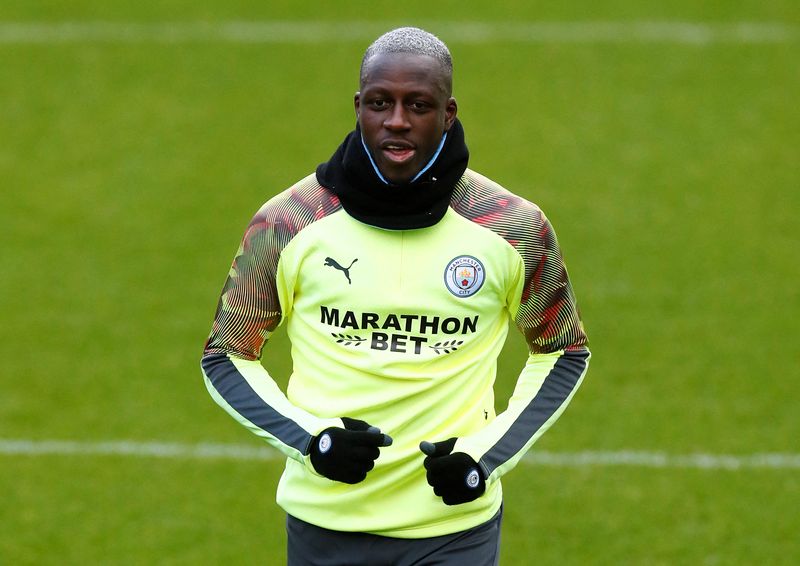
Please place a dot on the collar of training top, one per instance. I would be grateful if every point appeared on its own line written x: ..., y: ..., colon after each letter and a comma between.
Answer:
x: 349, y: 174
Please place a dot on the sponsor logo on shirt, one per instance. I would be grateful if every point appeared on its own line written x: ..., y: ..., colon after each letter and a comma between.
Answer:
x: 464, y: 276
x: 408, y: 332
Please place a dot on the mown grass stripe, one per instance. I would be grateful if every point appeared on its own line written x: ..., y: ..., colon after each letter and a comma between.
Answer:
x: 211, y: 451
x: 689, y: 33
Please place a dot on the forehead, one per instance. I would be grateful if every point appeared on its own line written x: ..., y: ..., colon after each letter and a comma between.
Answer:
x: 403, y: 70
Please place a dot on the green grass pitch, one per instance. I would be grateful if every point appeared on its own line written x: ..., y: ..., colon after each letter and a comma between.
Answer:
x: 129, y: 169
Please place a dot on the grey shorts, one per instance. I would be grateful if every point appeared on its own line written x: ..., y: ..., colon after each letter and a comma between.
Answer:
x: 309, y: 545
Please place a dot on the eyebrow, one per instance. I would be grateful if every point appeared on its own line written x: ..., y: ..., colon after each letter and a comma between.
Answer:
x: 432, y: 90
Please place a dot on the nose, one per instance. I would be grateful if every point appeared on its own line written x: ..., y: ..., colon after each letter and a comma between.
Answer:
x: 397, y: 119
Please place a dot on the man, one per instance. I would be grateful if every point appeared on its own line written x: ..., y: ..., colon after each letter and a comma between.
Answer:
x: 396, y: 271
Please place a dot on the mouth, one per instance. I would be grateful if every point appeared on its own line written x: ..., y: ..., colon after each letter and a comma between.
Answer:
x: 398, y: 151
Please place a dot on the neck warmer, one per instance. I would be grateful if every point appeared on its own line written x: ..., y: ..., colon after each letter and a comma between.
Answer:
x: 349, y: 174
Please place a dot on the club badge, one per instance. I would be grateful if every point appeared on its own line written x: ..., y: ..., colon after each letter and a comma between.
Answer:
x: 464, y: 276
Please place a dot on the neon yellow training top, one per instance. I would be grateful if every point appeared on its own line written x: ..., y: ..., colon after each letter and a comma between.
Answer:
x: 402, y: 329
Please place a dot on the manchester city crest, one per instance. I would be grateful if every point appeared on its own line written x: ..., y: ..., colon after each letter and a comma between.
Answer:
x: 464, y: 275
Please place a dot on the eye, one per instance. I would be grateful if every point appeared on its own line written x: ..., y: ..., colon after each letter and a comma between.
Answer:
x: 419, y: 106
x: 379, y: 104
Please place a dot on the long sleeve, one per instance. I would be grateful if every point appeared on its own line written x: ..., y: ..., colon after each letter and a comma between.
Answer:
x: 547, y: 315
x: 252, y: 305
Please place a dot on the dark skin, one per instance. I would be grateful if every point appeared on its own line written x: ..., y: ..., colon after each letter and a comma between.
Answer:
x: 404, y: 107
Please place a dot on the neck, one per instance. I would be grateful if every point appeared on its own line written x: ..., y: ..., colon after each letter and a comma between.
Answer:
x: 352, y: 175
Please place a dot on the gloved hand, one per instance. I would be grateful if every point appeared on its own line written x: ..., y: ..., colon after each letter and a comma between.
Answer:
x: 347, y: 454
x: 456, y: 478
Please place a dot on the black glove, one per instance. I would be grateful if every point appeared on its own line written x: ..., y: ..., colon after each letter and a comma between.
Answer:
x: 347, y: 454
x: 456, y: 478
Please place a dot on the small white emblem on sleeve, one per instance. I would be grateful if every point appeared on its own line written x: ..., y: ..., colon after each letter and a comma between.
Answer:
x: 464, y: 276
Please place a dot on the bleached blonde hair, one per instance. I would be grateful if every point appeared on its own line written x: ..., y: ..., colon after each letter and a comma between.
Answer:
x: 409, y: 40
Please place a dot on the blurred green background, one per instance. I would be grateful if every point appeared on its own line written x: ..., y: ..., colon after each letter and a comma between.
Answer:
x: 669, y: 167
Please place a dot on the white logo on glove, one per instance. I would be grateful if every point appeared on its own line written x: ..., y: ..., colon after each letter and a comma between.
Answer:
x: 473, y: 479
x: 325, y: 443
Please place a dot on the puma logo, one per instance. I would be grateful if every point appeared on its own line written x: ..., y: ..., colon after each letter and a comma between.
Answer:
x: 330, y: 262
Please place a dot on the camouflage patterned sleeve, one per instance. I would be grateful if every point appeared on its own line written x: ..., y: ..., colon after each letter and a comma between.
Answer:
x: 249, y: 310
x: 548, y: 314
x: 545, y: 311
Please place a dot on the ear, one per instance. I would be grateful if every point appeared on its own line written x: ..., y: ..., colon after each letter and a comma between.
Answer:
x: 450, y: 111
x: 357, y: 102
